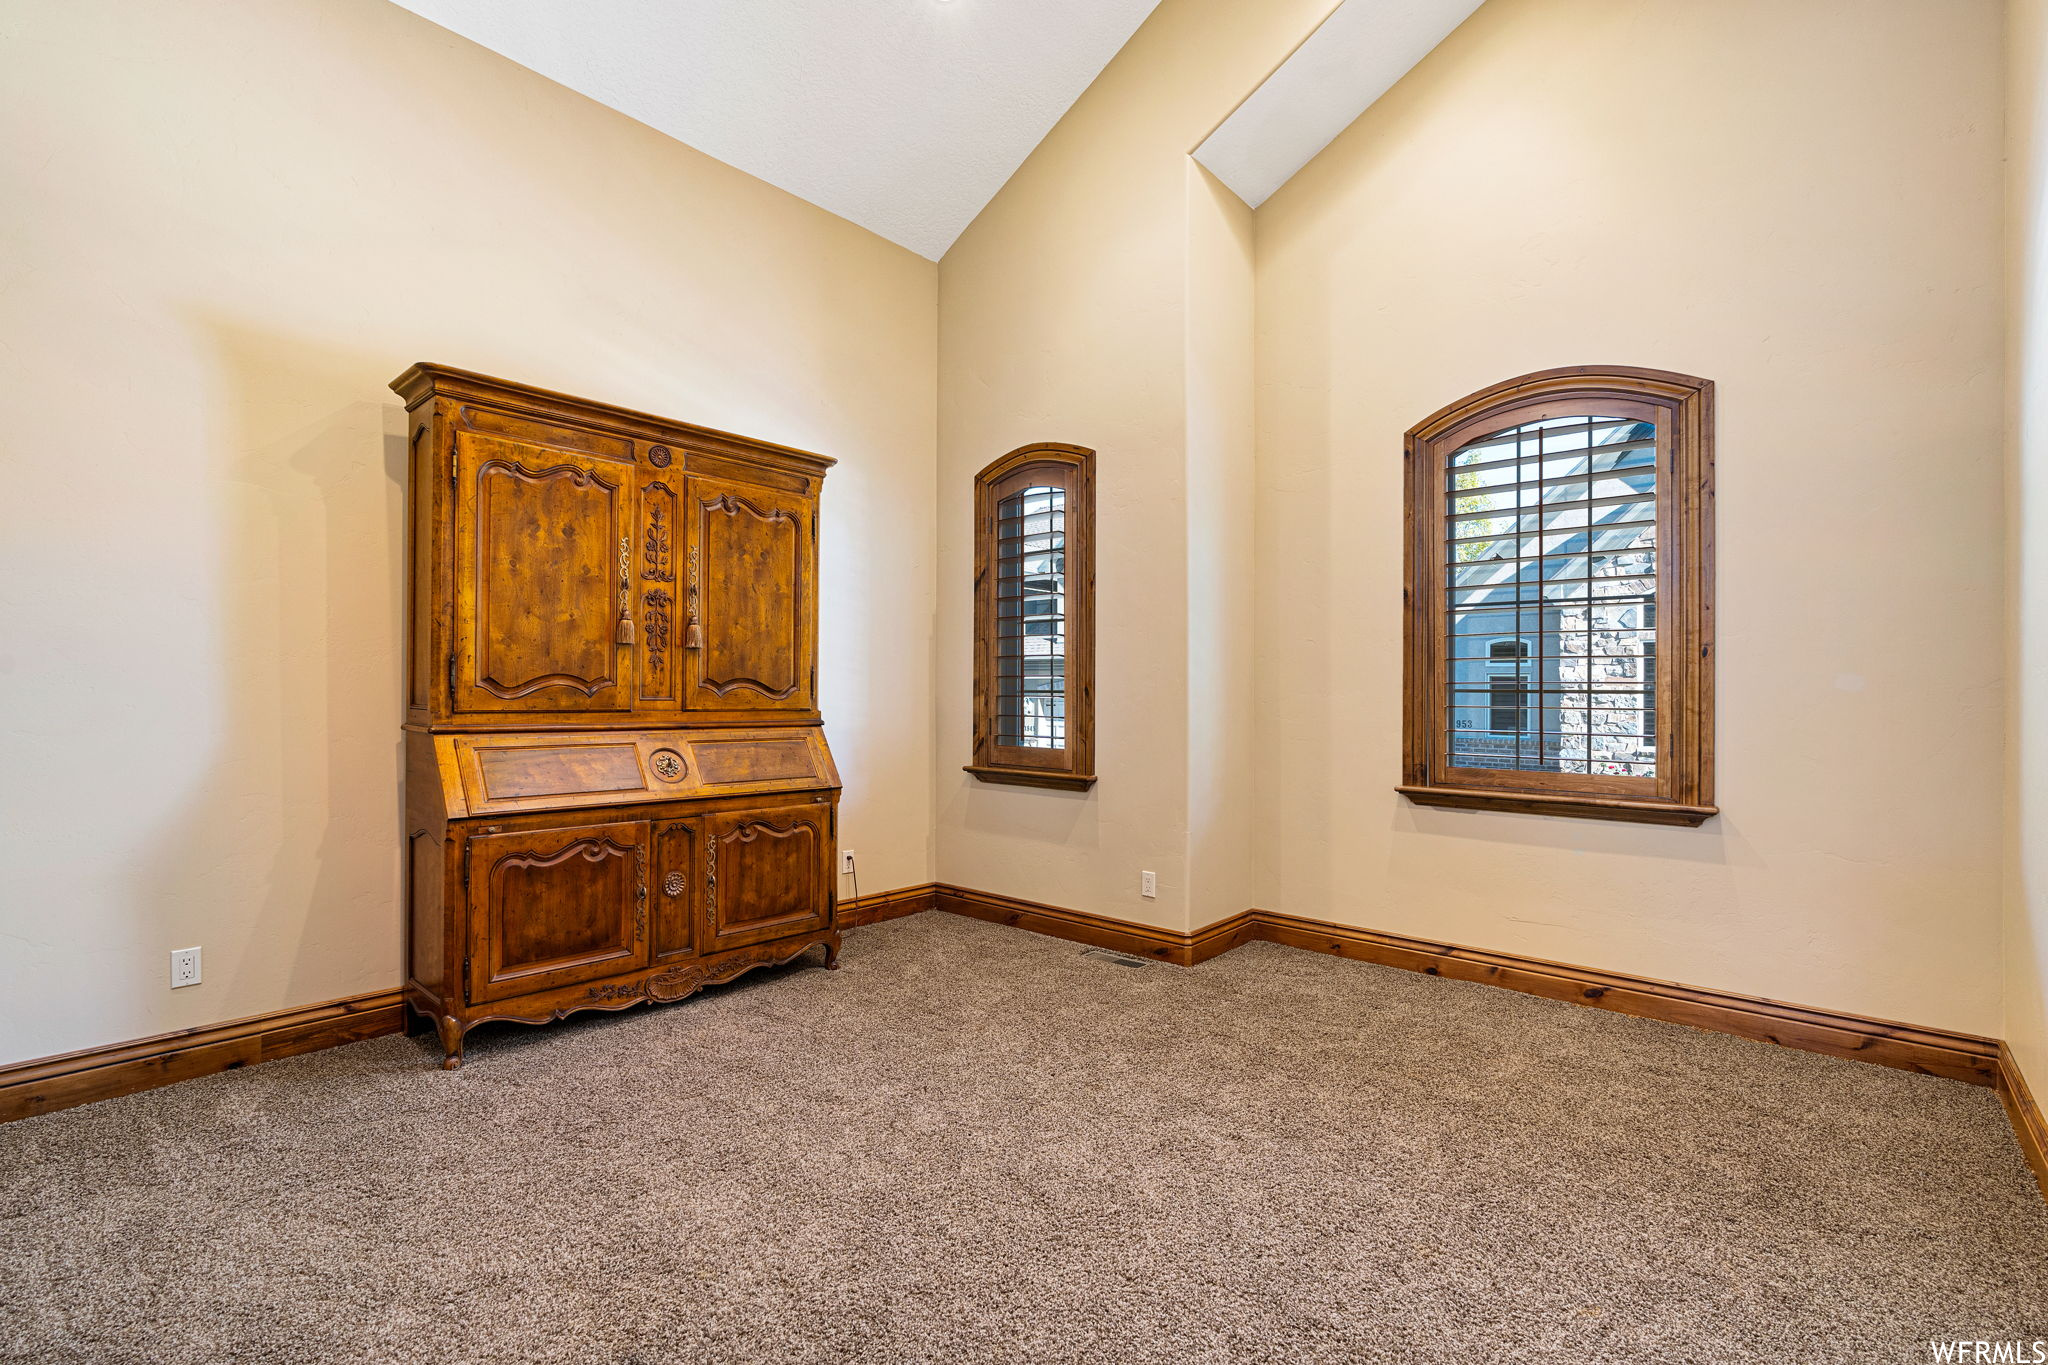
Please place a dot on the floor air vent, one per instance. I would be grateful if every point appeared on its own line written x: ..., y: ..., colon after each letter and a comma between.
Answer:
x: 1120, y: 959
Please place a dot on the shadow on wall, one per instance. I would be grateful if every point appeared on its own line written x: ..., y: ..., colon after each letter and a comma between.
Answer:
x: 1719, y: 841
x: 285, y: 864
x: 1039, y: 815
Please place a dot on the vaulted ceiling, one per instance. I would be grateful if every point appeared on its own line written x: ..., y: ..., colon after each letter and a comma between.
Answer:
x: 905, y: 116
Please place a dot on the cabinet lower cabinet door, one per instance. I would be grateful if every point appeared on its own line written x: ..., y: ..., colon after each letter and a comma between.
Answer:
x: 678, y: 884
x: 768, y: 874
x: 554, y: 907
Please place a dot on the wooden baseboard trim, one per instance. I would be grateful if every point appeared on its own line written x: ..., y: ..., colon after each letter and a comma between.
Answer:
x: 2027, y: 1123
x: 1219, y: 938
x: 907, y: 900
x: 1936, y: 1052
x: 1885, y: 1042
x: 48, y: 1084
x: 1139, y: 940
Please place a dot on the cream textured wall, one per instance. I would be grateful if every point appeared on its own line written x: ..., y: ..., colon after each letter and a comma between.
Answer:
x: 2026, y: 924
x: 1064, y: 315
x: 227, y: 223
x: 1737, y: 190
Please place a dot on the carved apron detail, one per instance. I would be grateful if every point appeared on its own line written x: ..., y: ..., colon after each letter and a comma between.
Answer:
x: 691, y: 977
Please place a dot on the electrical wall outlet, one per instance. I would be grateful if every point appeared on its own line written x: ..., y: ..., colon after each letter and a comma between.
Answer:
x: 184, y: 967
x: 1148, y: 885
x: 846, y: 860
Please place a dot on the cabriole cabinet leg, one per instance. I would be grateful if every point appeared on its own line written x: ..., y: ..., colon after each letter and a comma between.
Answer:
x: 832, y: 954
x: 451, y: 1041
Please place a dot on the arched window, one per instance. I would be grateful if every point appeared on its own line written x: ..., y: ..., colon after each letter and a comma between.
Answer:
x: 1034, y: 618
x: 1560, y: 549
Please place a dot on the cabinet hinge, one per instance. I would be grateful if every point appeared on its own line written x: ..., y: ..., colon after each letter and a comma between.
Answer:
x: 451, y: 679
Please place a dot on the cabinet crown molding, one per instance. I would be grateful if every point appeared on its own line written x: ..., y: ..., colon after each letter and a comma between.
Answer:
x: 425, y: 380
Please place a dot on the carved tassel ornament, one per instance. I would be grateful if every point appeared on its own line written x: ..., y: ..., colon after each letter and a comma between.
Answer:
x: 693, y: 634
x: 626, y: 634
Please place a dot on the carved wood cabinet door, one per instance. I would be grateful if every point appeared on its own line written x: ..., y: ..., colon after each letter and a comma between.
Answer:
x: 554, y: 907
x: 678, y: 886
x: 749, y: 639
x: 768, y: 873
x: 542, y: 555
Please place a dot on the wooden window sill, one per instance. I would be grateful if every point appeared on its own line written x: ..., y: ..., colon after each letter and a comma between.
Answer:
x: 1034, y: 777
x: 1584, y: 807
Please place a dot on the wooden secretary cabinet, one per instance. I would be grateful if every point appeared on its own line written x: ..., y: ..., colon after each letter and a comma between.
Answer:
x: 618, y: 788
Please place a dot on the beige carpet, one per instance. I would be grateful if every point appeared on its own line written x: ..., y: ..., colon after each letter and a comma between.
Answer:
x: 976, y: 1144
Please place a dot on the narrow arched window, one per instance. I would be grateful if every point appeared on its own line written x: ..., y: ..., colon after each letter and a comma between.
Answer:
x: 1034, y: 618
x: 1560, y: 598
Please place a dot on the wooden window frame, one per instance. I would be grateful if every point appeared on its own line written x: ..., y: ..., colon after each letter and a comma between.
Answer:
x: 1073, y: 469
x: 1682, y: 792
